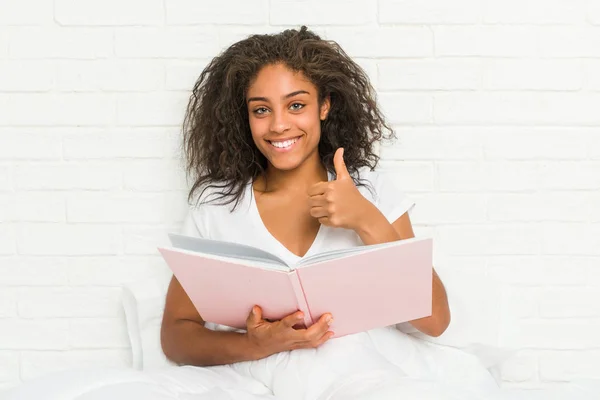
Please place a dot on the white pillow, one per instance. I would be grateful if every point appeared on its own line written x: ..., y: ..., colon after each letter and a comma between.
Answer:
x: 144, y: 303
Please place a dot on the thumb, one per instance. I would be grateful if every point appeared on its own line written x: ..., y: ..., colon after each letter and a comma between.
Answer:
x: 254, y: 317
x: 340, y: 166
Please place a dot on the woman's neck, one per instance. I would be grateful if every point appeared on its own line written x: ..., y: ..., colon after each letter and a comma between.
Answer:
x: 299, y: 179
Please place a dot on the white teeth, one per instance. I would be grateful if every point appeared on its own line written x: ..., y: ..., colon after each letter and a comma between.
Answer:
x: 284, y: 144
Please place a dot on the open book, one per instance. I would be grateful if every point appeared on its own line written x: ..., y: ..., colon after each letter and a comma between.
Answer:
x: 363, y: 287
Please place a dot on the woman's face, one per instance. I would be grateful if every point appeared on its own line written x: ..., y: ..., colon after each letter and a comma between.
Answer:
x: 285, y: 117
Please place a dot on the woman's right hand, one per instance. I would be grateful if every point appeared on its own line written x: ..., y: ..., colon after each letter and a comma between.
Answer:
x: 273, y: 337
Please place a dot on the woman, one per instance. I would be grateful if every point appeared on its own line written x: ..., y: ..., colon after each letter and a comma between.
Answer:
x: 279, y: 136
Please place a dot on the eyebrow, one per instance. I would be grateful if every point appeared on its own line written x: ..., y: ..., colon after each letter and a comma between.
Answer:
x: 287, y: 96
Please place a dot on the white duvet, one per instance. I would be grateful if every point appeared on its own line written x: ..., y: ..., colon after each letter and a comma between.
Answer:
x: 379, y: 364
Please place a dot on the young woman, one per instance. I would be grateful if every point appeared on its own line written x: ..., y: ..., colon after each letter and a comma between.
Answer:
x: 279, y: 136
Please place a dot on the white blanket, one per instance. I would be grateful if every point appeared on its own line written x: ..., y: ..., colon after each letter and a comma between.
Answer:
x: 380, y: 364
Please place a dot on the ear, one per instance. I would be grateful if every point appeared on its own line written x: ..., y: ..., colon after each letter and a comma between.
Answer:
x: 325, y: 106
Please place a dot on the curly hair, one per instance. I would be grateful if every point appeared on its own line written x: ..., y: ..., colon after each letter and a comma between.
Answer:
x: 217, y: 140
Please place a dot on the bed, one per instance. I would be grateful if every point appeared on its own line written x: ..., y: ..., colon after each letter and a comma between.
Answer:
x: 386, y: 363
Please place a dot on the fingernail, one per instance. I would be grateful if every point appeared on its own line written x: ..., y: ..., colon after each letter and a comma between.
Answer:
x: 329, y: 320
x: 300, y: 316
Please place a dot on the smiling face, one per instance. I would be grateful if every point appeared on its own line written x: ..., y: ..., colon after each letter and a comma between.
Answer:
x: 285, y: 117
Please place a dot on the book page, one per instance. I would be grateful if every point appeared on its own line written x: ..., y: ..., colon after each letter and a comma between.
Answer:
x: 331, y: 255
x: 225, y: 249
x: 246, y: 261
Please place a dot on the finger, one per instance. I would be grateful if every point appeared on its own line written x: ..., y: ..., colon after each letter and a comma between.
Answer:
x: 299, y: 326
x: 293, y: 319
x: 321, y: 327
x: 328, y: 335
x: 318, y: 188
x: 341, y: 171
x: 319, y: 212
x: 324, y: 221
x: 317, y: 201
x: 255, y: 317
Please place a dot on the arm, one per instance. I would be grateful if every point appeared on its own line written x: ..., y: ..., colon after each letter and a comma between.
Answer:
x: 185, y: 340
x: 340, y: 204
x: 375, y: 228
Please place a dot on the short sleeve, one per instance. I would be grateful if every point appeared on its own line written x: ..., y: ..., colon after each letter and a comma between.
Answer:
x: 390, y: 199
x: 190, y: 226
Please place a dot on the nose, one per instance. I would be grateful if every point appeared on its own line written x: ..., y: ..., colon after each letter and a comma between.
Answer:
x: 279, y: 122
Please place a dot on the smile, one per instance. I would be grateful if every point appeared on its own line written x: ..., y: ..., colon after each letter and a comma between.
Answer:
x: 284, y: 144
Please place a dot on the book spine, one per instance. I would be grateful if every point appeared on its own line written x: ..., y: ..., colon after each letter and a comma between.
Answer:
x: 301, y: 298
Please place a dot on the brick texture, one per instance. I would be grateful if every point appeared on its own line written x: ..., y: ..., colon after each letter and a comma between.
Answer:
x: 496, y: 109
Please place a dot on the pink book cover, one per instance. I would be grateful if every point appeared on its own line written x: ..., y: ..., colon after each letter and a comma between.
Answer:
x: 369, y: 290
x: 372, y: 287
x: 224, y: 292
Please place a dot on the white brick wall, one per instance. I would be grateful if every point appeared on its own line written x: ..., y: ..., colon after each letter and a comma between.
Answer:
x: 497, y: 109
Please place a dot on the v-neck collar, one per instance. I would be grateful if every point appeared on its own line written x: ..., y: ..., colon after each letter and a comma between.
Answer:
x: 258, y: 220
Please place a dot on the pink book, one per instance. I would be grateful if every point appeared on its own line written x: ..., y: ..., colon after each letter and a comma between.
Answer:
x: 363, y: 287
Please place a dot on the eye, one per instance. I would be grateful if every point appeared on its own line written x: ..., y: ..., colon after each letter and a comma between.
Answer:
x: 297, y: 106
x: 260, y: 111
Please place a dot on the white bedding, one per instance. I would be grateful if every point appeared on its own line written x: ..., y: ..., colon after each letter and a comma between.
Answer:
x: 379, y: 364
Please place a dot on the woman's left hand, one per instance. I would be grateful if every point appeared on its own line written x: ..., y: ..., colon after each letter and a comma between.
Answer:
x: 338, y: 203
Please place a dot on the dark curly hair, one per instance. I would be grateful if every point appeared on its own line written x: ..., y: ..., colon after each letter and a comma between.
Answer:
x: 217, y: 139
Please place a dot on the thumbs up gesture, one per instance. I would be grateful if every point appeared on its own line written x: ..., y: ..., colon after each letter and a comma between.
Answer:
x: 338, y: 203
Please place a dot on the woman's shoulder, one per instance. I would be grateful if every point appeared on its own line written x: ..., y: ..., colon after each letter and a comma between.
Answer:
x: 375, y: 180
x: 369, y: 173
x: 384, y: 188
x: 210, y: 206
x: 218, y: 195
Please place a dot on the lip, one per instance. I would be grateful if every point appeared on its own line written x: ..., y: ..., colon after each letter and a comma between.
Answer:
x: 283, y: 140
x: 287, y: 149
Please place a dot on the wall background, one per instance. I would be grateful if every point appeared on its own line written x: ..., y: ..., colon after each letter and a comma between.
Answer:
x: 496, y: 105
